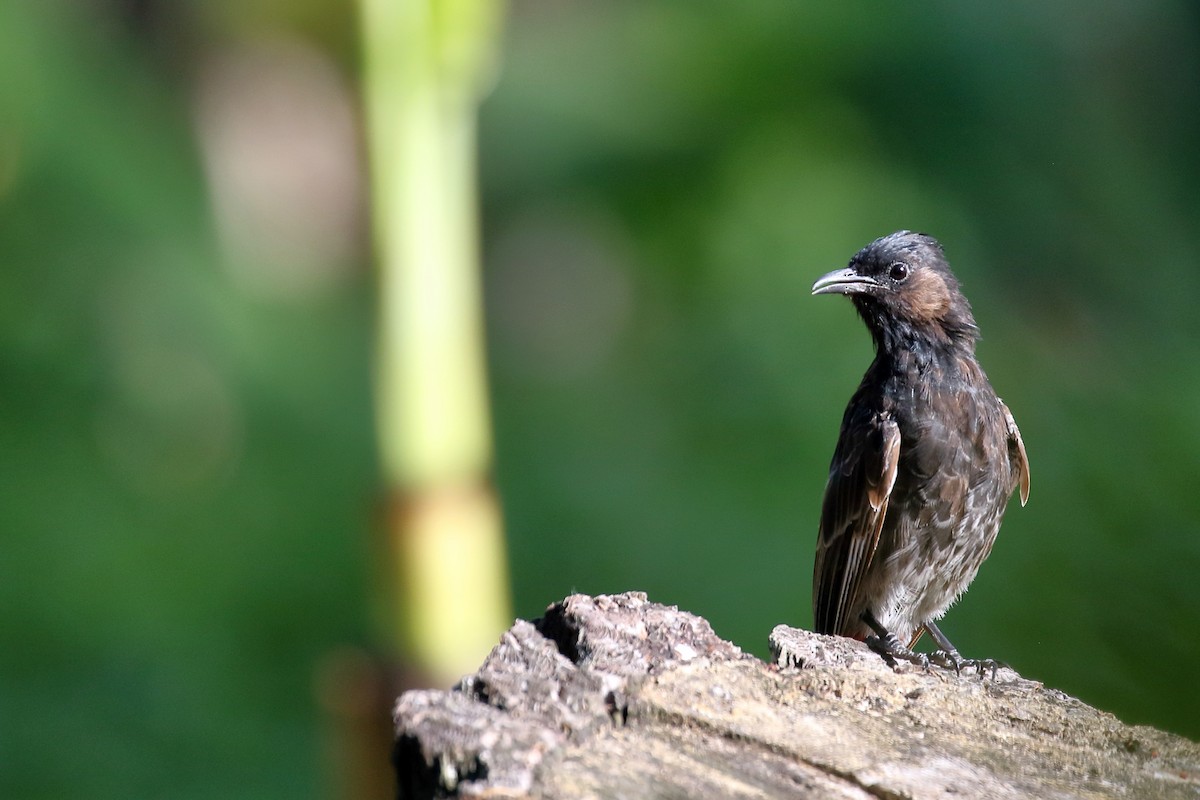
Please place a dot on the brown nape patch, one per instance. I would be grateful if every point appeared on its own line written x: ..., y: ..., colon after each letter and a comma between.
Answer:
x: 926, y: 296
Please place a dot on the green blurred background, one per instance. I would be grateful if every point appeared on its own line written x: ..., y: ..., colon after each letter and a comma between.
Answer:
x: 189, y: 482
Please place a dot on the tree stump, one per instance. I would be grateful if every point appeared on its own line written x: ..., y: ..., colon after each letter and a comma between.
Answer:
x: 618, y: 697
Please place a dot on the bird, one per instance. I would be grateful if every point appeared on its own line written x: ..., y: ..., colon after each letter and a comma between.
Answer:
x: 926, y: 461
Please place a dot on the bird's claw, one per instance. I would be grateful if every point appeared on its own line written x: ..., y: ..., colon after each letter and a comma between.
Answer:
x: 951, y: 659
x: 890, y: 648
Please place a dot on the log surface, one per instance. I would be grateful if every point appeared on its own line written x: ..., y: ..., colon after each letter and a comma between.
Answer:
x: 618, y: 697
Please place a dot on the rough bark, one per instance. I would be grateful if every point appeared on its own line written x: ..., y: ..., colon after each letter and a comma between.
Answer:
x: 618, y: 697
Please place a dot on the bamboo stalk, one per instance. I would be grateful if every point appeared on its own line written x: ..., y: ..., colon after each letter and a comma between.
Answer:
x: 426, y: 62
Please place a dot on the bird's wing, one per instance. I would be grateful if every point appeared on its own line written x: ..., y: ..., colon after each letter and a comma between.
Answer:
x: 1016, y: 452
x: 856, y: 500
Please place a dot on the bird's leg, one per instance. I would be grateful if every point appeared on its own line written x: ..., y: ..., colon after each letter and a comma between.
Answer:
x: 948, y: 657
x: 885, y: 643
x: 947, y: 654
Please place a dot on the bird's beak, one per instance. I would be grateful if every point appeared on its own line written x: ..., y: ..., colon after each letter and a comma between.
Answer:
x: 845, y: 281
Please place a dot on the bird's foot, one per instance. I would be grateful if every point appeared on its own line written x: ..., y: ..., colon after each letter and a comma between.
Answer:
x: 891, y: 649
x: 947, y: 655
x: 951, y: 659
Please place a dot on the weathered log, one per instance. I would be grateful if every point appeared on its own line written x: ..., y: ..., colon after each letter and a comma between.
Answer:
x: 618, y: 697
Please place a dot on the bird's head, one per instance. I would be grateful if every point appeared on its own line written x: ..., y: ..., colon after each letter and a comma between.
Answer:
x: 903, y: 288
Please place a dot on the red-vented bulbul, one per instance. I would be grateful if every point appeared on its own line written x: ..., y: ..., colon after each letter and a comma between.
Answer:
x: 927, y: 458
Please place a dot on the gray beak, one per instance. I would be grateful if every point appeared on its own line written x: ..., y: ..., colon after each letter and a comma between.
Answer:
x: 845, y: 281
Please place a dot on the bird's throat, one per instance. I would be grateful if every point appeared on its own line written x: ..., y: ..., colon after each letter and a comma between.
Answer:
x: 897, y: 338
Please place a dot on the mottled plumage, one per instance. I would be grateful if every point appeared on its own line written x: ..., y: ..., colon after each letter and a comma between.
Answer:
x: 927, y: 458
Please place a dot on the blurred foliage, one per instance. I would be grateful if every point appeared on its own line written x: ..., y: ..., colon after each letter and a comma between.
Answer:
x: 188, y: 480
x: 187, y: 470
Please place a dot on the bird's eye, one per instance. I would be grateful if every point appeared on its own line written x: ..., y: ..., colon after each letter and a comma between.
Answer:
x: 898, y: 271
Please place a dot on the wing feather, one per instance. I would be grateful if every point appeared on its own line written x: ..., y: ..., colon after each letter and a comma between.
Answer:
x: 1016, y: 450
x: 860, y: 485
